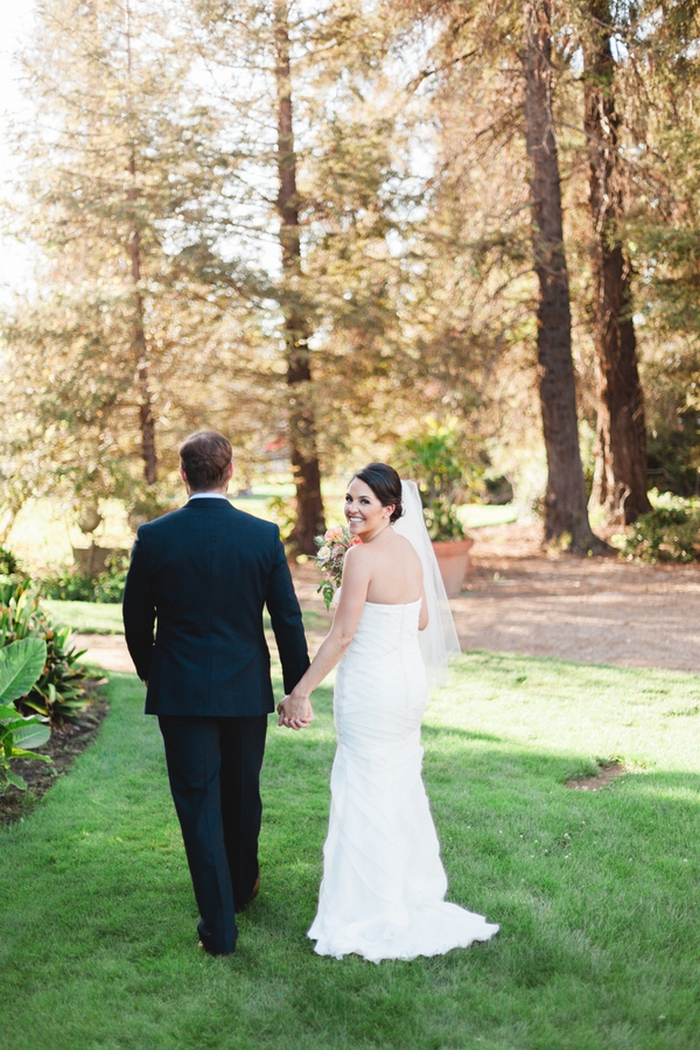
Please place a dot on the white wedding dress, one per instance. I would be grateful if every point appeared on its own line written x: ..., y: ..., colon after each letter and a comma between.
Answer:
x: 383, y: 887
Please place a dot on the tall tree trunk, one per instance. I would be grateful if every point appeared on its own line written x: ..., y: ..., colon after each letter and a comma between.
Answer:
x: 620, y: 482
x: 297, y: 329
x: 565, y: 500
x: 147, y: 425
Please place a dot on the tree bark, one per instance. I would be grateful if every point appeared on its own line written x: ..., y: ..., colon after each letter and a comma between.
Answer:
x: 297, y: 329
x: 620, y: 481
x: 565, y: 499
x: 147, y: 425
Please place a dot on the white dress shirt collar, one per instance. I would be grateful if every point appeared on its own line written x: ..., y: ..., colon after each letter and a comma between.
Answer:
x: 209, y: 495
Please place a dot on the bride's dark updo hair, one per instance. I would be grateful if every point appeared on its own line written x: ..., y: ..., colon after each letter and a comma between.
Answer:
x: 385, y: 483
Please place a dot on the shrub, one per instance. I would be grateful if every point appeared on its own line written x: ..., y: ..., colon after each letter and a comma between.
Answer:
x: 70, y: 586
x: 58, y: 693
x: 9, y: 566
x: 283, y: 511
x: 670, y: 532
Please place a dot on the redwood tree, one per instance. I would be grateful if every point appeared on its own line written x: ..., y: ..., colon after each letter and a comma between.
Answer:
x: 297, y: 328
x: 620, y: 482
x: 139, y: 342
x: 113, y: 171
x: 565, y: 498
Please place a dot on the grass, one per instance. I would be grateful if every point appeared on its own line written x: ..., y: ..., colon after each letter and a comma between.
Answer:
x: 597, y: 893
x: 96, y: 618
x: 476, y: 515
x: 88, y: 617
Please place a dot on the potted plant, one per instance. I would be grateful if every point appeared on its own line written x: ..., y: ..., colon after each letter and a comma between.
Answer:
x: 436, y: 461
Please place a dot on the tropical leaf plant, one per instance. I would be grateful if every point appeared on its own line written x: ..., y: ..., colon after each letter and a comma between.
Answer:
x: 21, y: 664
x: 57, y: 692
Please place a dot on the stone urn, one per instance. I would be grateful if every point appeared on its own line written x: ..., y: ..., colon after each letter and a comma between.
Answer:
x: 453, y: 562
x: 89, y: 520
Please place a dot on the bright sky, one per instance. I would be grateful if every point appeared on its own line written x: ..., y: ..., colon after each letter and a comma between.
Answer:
x: 16, y: 21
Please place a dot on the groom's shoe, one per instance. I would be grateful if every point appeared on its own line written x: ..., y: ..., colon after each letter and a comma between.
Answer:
x: 215, y: 955
x: 253, y: 894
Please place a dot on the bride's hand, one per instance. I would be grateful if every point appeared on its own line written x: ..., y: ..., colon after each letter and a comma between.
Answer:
x: 295, y: 712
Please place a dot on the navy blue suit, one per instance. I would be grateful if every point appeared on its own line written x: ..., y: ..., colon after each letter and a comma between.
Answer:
x: 205, y: 573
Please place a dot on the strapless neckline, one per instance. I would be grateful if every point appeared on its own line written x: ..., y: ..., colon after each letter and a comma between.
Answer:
x: 395, y: 605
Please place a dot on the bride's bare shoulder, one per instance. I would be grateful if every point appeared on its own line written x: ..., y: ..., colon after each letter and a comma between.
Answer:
x: 396, y: 551
x: 406, y: 547
x: 358, y: 555
x: 402, y: 541
x: 393, y: 548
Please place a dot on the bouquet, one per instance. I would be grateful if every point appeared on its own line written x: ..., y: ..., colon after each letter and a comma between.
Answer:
x: 331, y: 555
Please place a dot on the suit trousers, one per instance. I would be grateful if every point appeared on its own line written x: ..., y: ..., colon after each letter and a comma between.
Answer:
x: 214, y: 768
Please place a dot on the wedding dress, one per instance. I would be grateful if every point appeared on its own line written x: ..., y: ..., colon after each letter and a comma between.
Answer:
x: 383, y: 881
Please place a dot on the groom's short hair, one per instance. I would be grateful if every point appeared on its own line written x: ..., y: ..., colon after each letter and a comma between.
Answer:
x: 205, y: 458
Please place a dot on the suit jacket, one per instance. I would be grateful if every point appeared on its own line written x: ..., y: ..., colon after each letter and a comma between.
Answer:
x: 204, y: 572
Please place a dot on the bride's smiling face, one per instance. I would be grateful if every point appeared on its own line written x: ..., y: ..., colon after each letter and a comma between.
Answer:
x: 364, y: 513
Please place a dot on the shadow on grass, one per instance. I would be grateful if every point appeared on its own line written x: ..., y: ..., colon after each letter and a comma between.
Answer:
x: 433, y: 733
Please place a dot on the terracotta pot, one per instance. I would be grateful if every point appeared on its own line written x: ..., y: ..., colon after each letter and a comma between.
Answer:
x: 453, y: 562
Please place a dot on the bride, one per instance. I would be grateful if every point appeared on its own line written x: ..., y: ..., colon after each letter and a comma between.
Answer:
x: 383, y: 887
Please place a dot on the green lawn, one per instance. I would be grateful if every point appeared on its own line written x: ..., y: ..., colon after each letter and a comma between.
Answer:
x: 96, y: 618
x: 476, y: 515
x: 597, y: 894
x: 89, y: 617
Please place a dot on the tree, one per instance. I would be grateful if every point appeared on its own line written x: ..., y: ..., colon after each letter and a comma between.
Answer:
x: 262, y: 201
x: 114, y: 184
x: 565, y: 498
x: 297, y: 327
x: 493, y: 93
x: 319, y: 166
x: 620, y: 480
x: 658, y: 86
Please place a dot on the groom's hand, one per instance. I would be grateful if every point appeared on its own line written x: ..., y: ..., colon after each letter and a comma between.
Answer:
x: 295, y: 712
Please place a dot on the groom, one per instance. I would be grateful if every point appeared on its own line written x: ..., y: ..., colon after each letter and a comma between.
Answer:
x: 205, y: 572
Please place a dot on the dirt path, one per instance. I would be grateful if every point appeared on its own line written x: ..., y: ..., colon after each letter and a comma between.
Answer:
x: 591, y: 610
x: 105, y: 650
x: 518, y: 600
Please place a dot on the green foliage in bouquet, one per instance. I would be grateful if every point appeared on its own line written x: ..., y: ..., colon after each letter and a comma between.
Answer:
x: 58, y: 692
x: 21, y: 664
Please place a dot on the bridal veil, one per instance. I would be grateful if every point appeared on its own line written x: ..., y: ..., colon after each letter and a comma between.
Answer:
x: 438, y: 642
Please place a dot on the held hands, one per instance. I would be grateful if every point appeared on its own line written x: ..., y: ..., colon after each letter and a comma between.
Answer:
x: 295, y: 712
